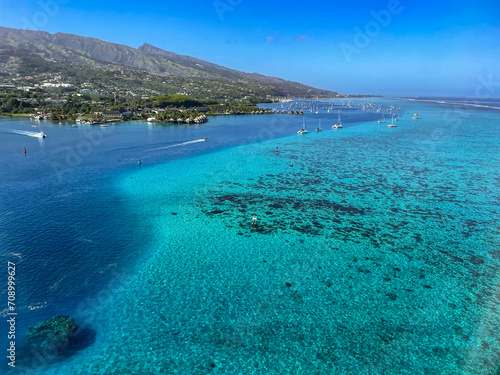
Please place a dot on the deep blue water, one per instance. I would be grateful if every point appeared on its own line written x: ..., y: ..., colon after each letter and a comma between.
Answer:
x: 387, y: 237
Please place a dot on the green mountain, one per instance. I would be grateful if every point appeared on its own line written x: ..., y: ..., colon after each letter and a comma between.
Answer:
x: 118, y: 68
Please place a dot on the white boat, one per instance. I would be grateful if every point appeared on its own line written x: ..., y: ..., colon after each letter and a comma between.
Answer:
x: 303, y: 130
x: 318, y: 129
x: 338, y: 125
x: 151, y: 119
x: 392, y: 124
x: 416, y: 116
x: 382, y: 121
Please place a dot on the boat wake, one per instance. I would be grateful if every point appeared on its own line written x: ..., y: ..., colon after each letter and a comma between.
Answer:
x: 179, y: 144
x: 27, y: 133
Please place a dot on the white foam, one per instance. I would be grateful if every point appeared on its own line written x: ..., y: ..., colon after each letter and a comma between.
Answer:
x: 452, y: 103
x: 179, y: 144
x: 28, y: 133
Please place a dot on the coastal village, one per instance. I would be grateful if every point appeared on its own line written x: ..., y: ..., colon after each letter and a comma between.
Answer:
x: 112, y: 93
x: 49, y: 97
x: 57, y: 100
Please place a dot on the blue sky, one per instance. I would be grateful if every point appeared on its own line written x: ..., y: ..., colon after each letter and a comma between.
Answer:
x: 410, y: 47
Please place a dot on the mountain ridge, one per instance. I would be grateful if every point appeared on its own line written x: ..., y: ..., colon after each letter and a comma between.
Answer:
x: 88, y: 50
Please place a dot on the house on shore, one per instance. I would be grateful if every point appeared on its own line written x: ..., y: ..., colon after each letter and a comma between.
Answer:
x: 159, y: 111
x: 126, y: 111
x: 199, y: 109
x: 112, y: 114
x: 221, y: 108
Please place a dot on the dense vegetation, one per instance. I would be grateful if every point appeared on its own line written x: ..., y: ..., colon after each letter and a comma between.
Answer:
x: 75, y: 106
x: 121, y: 80
x: 67, y: 77
x: 176, y: 101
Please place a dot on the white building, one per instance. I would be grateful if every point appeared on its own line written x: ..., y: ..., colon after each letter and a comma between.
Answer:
x: 88, y: 92
x: 48, y: 84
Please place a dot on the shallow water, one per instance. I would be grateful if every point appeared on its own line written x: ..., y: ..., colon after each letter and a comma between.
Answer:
x: 377, y: 252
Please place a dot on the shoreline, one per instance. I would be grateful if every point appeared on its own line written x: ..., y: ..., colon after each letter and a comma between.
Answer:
x: 115, y: 121
x: 15, y: 115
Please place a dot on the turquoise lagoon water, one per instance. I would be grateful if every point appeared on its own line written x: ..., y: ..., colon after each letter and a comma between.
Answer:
x: 377, y: 252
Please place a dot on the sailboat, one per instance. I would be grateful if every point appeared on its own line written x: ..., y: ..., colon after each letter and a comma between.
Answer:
x: 392, y: 124
x: 318, y: 129
x: 397, y: 117
x: 303, y: 130
x: 382, y: 121
x: 338, y: 125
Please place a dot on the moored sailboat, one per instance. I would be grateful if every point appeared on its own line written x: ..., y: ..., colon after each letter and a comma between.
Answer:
x: 392, y: 124
x: 338, y: 125
x: 318, y: 129
x: 303, y: 130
